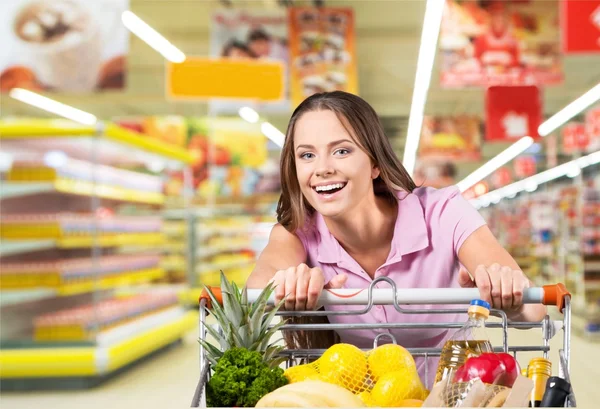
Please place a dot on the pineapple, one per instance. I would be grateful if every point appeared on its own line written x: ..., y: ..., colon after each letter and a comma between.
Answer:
x: 242, y: 324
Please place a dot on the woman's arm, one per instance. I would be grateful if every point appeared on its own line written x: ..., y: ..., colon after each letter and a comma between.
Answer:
x: 284, y: 250
x: 497, y: 276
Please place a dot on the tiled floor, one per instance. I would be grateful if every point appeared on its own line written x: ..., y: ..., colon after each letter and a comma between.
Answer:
x: 169, y: 379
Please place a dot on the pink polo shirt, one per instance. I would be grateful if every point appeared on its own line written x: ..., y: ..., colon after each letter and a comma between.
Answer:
x: 431, y: 227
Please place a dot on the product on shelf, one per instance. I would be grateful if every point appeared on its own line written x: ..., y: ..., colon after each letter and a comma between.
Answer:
x: 84, y: 322
x: 69, y: 273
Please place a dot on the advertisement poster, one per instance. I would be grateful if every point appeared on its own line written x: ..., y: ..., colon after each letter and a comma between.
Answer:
x: 512, y: 113
x: 580, y: 26
x: 322, y: 51
x: 253, y: 35
x: 231, y: 155
x: 73, y: 46
x: 451, y: 138
x: 500, y: 43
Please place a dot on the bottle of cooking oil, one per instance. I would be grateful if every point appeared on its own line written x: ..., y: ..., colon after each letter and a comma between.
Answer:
x: 470, y: 340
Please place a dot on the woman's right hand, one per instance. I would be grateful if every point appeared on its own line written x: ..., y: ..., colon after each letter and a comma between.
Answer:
x: 301, y: 287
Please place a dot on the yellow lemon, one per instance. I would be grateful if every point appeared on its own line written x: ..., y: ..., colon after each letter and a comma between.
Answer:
x: 344, y: 365
x: 301, y: 373
x: 411, y: 403
x: 394, y: 387
x: 390, y: 358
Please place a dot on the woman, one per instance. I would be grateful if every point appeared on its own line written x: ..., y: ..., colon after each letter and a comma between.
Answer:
x: 349, y: 212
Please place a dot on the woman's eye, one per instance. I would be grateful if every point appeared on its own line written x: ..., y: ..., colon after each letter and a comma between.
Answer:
x: 342, y: 151
x: 307, y: 155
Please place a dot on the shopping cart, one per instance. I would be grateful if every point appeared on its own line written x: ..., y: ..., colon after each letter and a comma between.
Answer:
x: 550, y: 295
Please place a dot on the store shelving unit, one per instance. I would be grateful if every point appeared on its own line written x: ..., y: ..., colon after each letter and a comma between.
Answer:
x: 569, y: 251
x: 225, y: 234
x: 82, y: 276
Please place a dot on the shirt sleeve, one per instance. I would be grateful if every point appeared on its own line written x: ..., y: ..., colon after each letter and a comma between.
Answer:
x: 459, y: 219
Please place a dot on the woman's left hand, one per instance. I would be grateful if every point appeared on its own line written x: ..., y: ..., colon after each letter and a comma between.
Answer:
x: 501, y: 286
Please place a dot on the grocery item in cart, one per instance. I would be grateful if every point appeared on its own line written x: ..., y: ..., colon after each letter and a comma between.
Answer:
x: 385, y: 376
x: 310, y: 394
x: 470, y: 340
x: 539, y: 371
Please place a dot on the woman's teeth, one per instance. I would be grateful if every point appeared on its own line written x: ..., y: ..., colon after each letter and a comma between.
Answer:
x: 329, y: 188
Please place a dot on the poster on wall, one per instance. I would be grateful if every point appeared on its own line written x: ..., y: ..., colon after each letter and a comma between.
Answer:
x: 75, y: 46
x: 580, y: 26
x: 322, y: 51
x: 251, y: 34
x: 451, y: 138
x: 511, y: 42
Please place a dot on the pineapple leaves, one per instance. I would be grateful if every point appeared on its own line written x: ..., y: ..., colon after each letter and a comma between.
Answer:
x: 243, y: 324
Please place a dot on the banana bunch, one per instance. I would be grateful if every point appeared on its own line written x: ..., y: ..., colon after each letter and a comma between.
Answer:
x: 310, y: 394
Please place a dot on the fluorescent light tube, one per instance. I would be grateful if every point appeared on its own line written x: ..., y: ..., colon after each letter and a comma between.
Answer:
x: 53, y: 106
x: 272, y: 133
x: 427, y: 50
x: 569, y: 111
x: 496, y: 162
x: 249, y: 115
x: 152, y: 37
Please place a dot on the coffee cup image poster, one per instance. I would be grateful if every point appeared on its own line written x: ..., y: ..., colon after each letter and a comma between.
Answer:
x: 63, y: 45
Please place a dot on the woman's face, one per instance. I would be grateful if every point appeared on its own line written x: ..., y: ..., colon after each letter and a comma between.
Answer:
x: 334, y: 174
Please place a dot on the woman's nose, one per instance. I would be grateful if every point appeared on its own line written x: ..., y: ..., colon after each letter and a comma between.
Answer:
x: 324, y: 168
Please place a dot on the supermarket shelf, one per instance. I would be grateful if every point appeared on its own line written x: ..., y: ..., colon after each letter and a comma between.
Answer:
x: 37, y: 129
x: 80, y: 188
x: 14, y: 297
x: 104, y: 283
x: 592, y: 266
x: 21, y: 246
x: 115, y: 349
x: 11, y: 247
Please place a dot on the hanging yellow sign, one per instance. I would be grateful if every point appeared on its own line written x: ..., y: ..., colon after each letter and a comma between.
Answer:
x: 203, y: 78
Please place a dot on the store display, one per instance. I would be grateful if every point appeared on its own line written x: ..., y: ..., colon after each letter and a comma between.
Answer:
x: 457, y: 138
x: 82, y: 231
x: 87, y: 321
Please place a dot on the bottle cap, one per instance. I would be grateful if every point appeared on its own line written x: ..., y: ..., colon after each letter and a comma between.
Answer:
x: 481, y: 303
x: 556, y: 382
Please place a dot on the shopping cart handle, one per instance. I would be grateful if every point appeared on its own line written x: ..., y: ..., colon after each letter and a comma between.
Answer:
x: 548, y: 295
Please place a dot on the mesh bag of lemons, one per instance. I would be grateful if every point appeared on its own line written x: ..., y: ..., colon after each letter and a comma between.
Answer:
x: 385, y: 376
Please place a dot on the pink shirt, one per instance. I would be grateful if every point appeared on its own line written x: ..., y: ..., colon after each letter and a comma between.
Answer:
x: 431, y: 226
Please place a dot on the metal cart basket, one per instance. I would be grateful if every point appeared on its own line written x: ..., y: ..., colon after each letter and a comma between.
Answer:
x: 550, y: 295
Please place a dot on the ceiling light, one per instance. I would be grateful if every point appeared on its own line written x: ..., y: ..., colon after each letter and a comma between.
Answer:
x: 249, y: 115
x: 427, y: 50
x: 495, y: 163
x: 152, y: 37
x: 570, y: 111
x: 272, y: 133
x: 53, y: 106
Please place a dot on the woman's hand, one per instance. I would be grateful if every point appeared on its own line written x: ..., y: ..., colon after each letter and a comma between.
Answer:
x: 301, y: 286
x: 501, y: 286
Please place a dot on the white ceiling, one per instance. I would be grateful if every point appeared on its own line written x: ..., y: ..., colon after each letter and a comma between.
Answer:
x: 388, y: 34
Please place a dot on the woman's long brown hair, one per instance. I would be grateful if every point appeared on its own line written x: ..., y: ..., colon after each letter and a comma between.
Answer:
x: 294, y: 211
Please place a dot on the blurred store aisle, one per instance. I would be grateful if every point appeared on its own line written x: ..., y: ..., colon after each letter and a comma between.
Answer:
x: 168, y: 381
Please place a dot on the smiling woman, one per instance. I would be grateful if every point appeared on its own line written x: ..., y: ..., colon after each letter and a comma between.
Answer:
x: 350, y: 213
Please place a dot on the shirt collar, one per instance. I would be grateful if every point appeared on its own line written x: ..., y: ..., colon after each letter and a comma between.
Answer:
x: 410, y: 233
